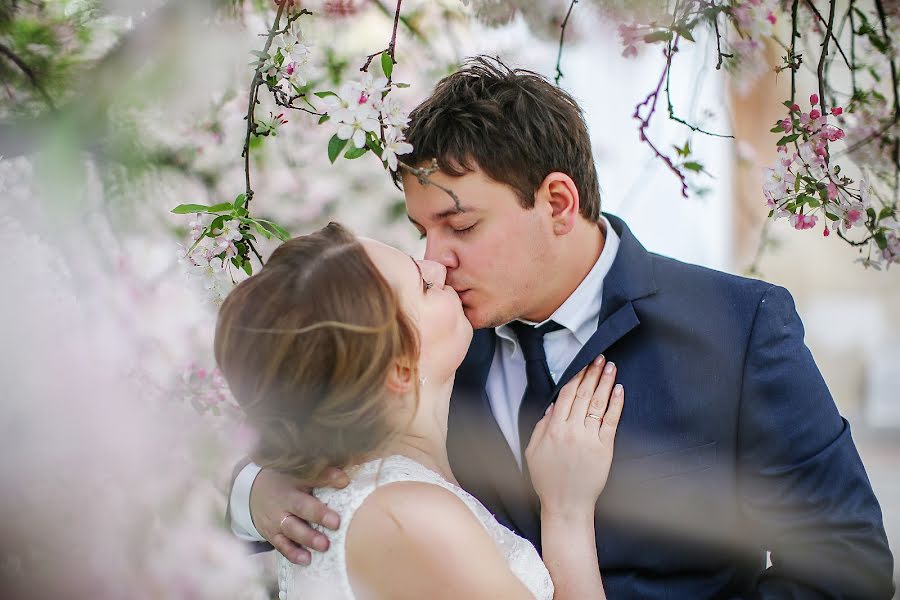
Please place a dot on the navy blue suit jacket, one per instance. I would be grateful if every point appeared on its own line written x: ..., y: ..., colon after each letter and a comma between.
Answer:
x: 730, y: 445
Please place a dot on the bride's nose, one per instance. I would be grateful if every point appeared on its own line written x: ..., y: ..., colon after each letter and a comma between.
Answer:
x: 434, y: 272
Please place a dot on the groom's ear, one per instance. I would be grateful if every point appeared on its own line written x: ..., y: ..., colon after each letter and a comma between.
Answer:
x: 559, y: 193
x: 400, y: 379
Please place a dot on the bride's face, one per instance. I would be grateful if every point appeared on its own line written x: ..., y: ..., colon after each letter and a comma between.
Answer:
x: 444, y: 331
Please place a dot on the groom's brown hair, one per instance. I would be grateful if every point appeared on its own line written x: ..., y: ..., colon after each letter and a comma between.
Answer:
x: 512, y: 123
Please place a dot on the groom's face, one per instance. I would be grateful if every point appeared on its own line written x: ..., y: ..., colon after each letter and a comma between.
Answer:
x: 495, y: 251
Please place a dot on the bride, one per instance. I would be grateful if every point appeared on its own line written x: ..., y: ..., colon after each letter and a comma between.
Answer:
x: 342, y: 351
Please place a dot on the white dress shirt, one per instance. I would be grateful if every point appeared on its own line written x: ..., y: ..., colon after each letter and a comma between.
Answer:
x: 578, y: 315
x: 506, y: 380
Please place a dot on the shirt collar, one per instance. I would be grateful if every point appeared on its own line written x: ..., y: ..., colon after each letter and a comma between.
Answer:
x: 580, y: 311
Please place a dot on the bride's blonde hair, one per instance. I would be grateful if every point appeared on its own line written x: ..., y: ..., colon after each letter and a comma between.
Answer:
x: 306, y: 345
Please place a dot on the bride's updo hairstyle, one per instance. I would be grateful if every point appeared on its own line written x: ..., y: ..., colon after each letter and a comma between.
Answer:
x: 306, y: 345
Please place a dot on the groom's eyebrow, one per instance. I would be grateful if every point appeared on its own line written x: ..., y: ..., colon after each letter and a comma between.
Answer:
x: 442, y: 215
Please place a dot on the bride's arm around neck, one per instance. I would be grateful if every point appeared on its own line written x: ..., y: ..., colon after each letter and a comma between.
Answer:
x: 413, y: 540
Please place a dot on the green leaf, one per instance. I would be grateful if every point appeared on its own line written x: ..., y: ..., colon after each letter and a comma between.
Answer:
x: 355, y: 152
x: 262, y: 230
x: 777, y: 129
x: 813, y: 203
x: 401, y: 85
x: 280, y: 232
x: 693, y: 166
x: 788, y: 103
x: 324, y: 94
x: 830, y: 216
x: 684, y: 32
x: 881, y: 240
x: 186, y: 209
x: 239, y: 201
x: 240, y: 212
x: 886, y: 212
x: 787, y: 139
x: 324, y: 118
x: 221, y: 206
x: 658, y: 36
x: 248, y: 268
x: 387, y: 64
x: 771, y: 212
x: 335, y: 145
x: 217, y: 223
x: 871, y: 213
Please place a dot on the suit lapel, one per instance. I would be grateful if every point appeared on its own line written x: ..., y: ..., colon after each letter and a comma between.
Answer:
x: 629, y: 279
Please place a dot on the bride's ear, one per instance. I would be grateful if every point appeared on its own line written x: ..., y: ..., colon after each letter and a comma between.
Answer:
x: 400, y: 378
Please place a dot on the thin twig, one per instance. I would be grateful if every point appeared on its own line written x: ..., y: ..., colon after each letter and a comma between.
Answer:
x: 719, y: 43
x: 829, y: 25
x: 894, y: 83
x: 423, y: 175
x: 677, y: 119
x: 29, y: 73
x: 562, y: 36
x: 651, y: 99
x: 829, y: 28
x: 251, y: 107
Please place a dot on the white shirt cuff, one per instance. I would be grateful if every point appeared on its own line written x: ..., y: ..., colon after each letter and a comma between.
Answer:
x: 241, y: 521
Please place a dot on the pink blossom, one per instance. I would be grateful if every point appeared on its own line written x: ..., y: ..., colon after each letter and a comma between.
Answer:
x: 814, y: 114
x: 795, y: 107
x: 630, y: 51
x: 786, y: 124
x: 832, y: 190
x: 814, y: 99
x: 826, y: 232
x: 837, y: 110
x: 854, y: 215
x: 629, y: 34
x: 801, y: 221
x: 771, y: 17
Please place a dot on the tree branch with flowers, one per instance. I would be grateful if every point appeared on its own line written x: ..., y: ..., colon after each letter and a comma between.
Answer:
x: 367, y: 119
x: 807, y: 184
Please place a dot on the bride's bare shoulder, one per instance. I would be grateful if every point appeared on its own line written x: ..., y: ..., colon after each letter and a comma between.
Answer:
x: 411, y: 539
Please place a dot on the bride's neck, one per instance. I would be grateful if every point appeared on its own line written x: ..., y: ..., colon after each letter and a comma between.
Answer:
x: 424, y: 439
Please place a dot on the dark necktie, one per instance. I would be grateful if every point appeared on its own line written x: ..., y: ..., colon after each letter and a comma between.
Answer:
x: 540, y: 384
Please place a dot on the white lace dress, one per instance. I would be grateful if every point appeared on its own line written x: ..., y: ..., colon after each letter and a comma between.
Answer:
x: 326, y: 577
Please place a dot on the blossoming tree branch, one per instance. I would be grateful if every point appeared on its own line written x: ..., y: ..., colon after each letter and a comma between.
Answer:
x: 808, y: 184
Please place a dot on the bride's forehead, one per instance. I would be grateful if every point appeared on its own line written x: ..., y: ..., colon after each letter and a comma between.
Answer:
x: 386, y: 256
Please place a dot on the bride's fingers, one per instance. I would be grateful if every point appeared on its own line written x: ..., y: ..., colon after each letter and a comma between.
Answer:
x: 586, y: 390
x: 600, y: 398
x: 566, y: 397
x: 612, y: 416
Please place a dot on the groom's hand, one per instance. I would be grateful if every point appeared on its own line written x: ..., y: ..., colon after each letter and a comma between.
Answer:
x: 282, y: 509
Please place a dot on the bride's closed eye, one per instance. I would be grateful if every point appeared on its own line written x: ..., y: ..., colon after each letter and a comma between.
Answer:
x: 426, y: 285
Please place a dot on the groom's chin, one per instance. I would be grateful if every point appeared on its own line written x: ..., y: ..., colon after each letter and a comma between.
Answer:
x: 473, y: 316
x: 478, y: 318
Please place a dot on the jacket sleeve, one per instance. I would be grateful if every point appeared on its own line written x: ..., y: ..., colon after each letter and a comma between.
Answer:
x: 803, y: 488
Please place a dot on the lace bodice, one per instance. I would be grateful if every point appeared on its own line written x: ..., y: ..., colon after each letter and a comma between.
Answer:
x: 326, y: 576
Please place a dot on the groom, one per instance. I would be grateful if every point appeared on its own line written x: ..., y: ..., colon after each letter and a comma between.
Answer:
x: 730, y: 449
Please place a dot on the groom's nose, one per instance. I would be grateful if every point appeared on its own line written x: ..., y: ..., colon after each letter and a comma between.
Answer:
x: 434, y: 272
x: 437, y: 251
